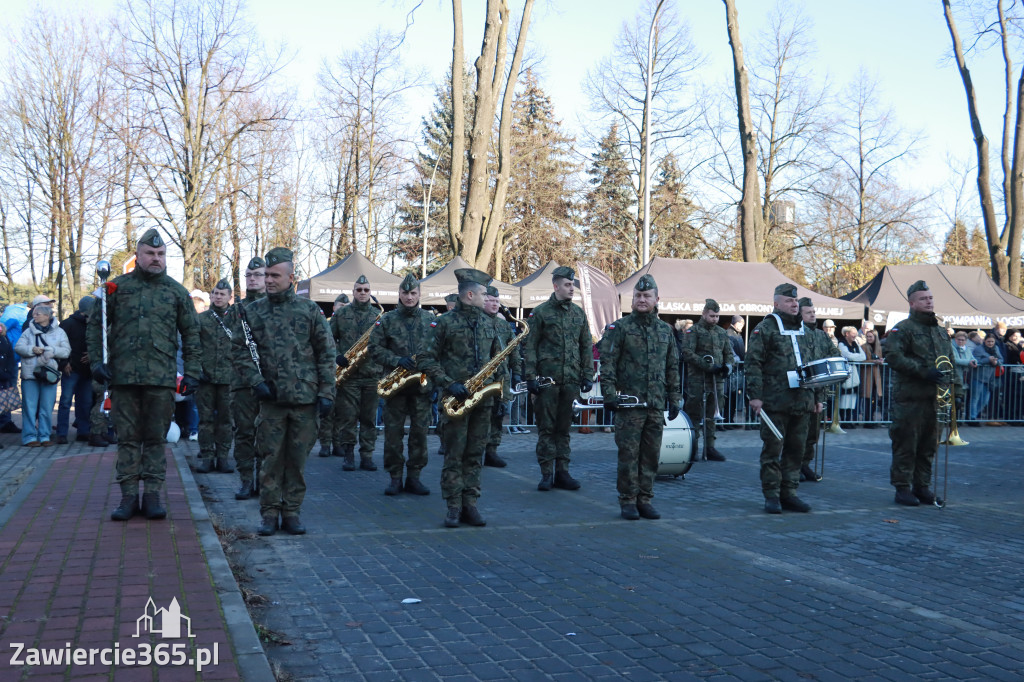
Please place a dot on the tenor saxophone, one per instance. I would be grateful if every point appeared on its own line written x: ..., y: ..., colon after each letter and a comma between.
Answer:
x: 457, y: 408
x: 359, y: 350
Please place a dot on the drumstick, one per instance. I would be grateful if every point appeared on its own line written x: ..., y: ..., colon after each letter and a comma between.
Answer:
x: 769, y: 423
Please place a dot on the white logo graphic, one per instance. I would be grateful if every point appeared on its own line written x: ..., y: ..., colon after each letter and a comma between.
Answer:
x: 164, y: 622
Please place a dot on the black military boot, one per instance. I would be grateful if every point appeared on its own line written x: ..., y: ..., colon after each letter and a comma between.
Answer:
x: 337, y: 451
x: 366, y: 464
x: 905, y: 497
x: 925, y: 495
x: 151, y: 507
x: 547, y: 481
x: 350, y: 457
x: 97, y: 440
x: 471, y: 515
x: 268, y: 526
x: 647, y: 510
x: 128, y: 508
x: 451, y: 519
x: 394, y: 487
x: 630, y: 512
x: 807, y: 474
x: 292, y: 525
x: 245, y: 492
x: 714, y: 455
x: 415, y: 486
x: 204, y: 465
x: 566, y: 482
x: 772, y: 505
x: 794, y: 503
x: 492, y: 459
x: 224, y: 465
x: 325, y: 450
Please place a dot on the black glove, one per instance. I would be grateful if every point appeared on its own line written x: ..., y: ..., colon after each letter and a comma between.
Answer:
x: 500, y: 408
x: 189, y: 385
x: 323, y: 406
x: 725, y: 370
x: 716, y: 369
x: 101, y: 373
x: 405, y: 363
x: 341, y: 360
x: 611, y: 404
x: 458, y: 390
x: 517, y: 379
x: 263, y: 391
x: 532, y: 386
x: 936, y: 376
x: 673, y: 411
x: 586, y: 385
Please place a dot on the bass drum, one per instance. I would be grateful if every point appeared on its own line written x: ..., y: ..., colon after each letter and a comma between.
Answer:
x: 678, y: 446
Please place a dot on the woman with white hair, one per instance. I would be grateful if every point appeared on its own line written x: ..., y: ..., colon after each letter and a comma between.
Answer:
x: 40, y: 346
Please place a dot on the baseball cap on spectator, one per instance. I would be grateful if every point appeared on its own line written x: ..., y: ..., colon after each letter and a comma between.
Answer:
x: 201, y: 295
x: 42, y: 300
x: 829, y: 323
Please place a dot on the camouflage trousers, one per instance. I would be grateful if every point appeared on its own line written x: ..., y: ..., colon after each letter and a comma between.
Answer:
x: 696, y: 409
x: 214, y: 404
x: 552, y: 407
x: 284, y: 437
x: 415, y: 407
x: 142, y: 415
x: 357, y: 404
x: 464, y: 441
x: 494, y: 432
x: 638, y: 437
x: 245, y: 410
x: 914, y: 433
x: 100, y: 423
x: 325, y: 434
x: 781, y: 459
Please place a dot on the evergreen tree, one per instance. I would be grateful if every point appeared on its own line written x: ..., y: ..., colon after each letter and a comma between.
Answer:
x: 957, y: 249
x: 979, y: 251
x: 611, y: 231
x: 673, y: 235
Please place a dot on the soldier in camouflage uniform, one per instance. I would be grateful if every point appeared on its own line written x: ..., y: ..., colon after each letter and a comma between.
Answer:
x: 559, y: 347
x: 464, y: 340
x: 294, y: 384
x: 514, y: 365
x: 146, y: 310
x: 911, y: 350
x: 449, y: 303
x: 639, y: 357
x: 771, y: 362
x: 244, y: 407
x: 709, y: 359
x: 214, y: 396
x: 398, y: 340
x: 823, y: 348
x: 357, y: 395
x: 326, y: 434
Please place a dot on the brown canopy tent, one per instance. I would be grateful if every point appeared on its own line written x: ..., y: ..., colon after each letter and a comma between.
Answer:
x: 536, y: 288
x: 325, y: 286
x: 441, y: 283
x: 965, y: 296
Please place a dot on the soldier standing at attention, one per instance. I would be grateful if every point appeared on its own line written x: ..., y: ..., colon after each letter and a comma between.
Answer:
x: 294, y: 384
x: 777, y: 347
x: 558, y: 346
x: 146, y: 310
x: 708, y: 355
x: 823, y: 348
x: 639, y: 357
x: 449, y: 304
x: 326, y: 434
x: 244, y: 406
x: 911, y: 350
x: 214, y: 396
x: 514, y: 365
x: 357, y: 395
x: 464, y: 340
x: 398, y: 340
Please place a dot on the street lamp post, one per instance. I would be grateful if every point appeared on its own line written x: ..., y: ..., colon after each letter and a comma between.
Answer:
x: 647, y: 136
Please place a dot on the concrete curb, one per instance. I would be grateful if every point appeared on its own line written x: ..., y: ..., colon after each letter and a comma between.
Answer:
x: 249, y: 654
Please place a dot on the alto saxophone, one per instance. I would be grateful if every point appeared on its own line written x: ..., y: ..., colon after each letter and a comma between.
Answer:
x: 359, y: 350
x: 456, y: 408
x: 399, y: 378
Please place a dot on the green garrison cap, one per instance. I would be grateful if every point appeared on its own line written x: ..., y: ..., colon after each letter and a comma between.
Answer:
x: 711, y: 304
x: 563, y: 271
x: 786, y: 289
x: 151, y: 237
x: 492, y: 291
x: 409, y: 283
x: 342, y: 298
x: 279, y: 254
x: 805, y: 302
x: 256, y: 263
x: 919, y: 285
x: 451, y: 298
x: 464, y: 275
x: 646, y: 283
x: 362, y: 280
x: 223, y: 284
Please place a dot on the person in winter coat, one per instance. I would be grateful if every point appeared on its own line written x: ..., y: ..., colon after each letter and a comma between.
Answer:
x: 40, y: 346
x: 8, y: 377
x: 76, y: 376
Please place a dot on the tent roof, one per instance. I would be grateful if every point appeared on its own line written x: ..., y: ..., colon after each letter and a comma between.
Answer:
x: 325, y: 286
x: 739, y: 288
x: 441, y: 283
x: 536, y: 288
x: 964, y: 295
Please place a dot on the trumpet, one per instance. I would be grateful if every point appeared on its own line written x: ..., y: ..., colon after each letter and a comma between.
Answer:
x: 626, y: 402
x: 945, y: 414
x: 521, y: 387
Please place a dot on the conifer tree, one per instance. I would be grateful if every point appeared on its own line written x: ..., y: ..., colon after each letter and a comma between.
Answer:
x: 612, y: 231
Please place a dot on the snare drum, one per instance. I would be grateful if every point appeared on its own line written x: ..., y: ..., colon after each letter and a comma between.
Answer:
x: 678, y: 447
x: 824, y: 372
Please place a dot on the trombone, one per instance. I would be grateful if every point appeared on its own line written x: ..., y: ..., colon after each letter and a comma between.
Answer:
x: 704, y: 406
x: 945, y: 415
x: 819, y: 446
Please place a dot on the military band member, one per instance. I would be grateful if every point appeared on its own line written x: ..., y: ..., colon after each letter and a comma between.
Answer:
x: 357, y: 395
x: 146, y: 310
x: 639, y: 357
x: 823, y: 348
x: 911, y: 351
x: 709, y: 359
x: 464, y: 340
x: 244, y: 406
x: 214, y: 396
x: 294, y: 384
x: 777, y: 347
x: 449, y: 302
x: 558, y: 346
x: 398, y: 340
x: 326, y: 434
x: 514, y: 364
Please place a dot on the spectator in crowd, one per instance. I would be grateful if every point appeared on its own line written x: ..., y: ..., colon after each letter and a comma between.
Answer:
x: 734, y: 384
x: 8, y: 377
x: 863, y: 331
x: 990, y: 365
x: 40, y: 346
x: 76, y: 376
x: 849, y: 397
x: 974, y: 339
x: 963, y: 363
x: 1014, y: 382
x: 201, y: 301
x: 871, y: 388
x: 829, y: 327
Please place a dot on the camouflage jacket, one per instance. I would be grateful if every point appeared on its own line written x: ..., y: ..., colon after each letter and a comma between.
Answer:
x: 400, y: 333
x: 699, y: 341
x: 145, y: 314
x: 347, y: 325
x: 639, y: 357
x: 513, y: 364
x: 218, y: 364
x: 770, y: 356
x: 910, y: 350
x: 464, y: 340
x: 295, y: 347
x: 823, y: 347
x: 232, y: 319
x: 559, y: 344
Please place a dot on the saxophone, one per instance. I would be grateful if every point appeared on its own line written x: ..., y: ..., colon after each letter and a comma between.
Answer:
x: 457, y: 408
x: 399, y: 378
x: 359, y: 350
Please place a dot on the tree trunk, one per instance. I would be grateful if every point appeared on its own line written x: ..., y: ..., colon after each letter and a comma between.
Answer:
x: 458, y: 131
